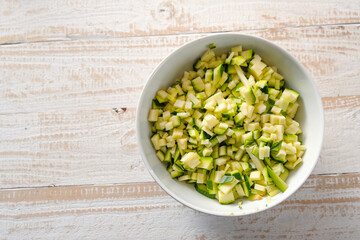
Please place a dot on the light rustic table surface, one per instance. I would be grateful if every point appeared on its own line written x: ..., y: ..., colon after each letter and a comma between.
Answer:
x: 71, y: 73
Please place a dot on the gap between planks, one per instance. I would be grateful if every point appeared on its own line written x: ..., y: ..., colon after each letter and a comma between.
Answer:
x: 323, y: 208
x: 99, y: 37
x: 148, y: 189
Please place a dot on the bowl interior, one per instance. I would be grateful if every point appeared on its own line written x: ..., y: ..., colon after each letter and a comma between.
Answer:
x: 310, y: 116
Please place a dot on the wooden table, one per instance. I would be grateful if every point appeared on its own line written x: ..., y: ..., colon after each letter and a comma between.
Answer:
x: 71, y: 73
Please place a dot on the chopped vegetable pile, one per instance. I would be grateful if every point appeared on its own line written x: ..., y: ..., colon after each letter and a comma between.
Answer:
x: 228, y: 127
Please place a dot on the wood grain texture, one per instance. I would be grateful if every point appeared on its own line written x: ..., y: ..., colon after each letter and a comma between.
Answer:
x: 57, y: 116
x: 69, y: 147
x: 71, y: 73
x: 107, y: 73
x: 23, y: 21
x: 99, y: 146
x: 327, y: 206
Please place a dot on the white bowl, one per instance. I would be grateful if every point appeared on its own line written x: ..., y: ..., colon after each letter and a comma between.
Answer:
x: 310, y: 116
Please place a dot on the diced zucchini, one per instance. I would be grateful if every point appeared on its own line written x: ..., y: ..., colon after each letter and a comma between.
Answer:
x: 175, y: 174
x: 228, y: 127
x: 191, y: 159
x: 279, y: 156
x: 214, y: 141
x: 184, y: 178
x: 290, y: 95
x: 167, y: 157
x: 218, y: 176
x: 235, y: 90
x: 293, y: 165
x: 208, y: 55
x: 258, y: 163
x: 256, y: 68
x: 155, y: 141
x: 278, y: 168
x: 198, y: 64
x: 255, y: 197
x: 248, y: 54
x: 157, y: 105
x: 272, y: 190
x: 176, y: 121
x: 215, y: 153
x: 218, y: 72
x: 228, y: 114
x: 255, y: 175
x: 240, y: 190
x: 176, y: 154
x: 220, y: 83
x: 288, y: 138
x: 237, y: 175
x: 208, y: 75
x: 246, y: 186
x: 277, y: 180
x: 284, y: 175
x: 222, y: 150
x: 238, y: 60
x: 246, y: 166
x: 275, y: 147
x: 227, y: 187
x: 226, y: 198
x: 160, y: 155
x: 228, y: 59
x: 204, y: 135
x: 201, y: 188
x: 248, y: 95
x: 177, y: 167
x: 198, y: 84
x: 267, y: 179
x: 221, y: 128
x: 212, y: 45
x: 206, y: 163
x: 259, y: 187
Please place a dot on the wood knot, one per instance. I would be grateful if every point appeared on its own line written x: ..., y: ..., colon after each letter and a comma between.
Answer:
x: 164, y: 11
x: 121, y: 110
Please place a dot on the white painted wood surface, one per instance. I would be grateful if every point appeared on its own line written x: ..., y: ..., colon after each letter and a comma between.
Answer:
x: 70, y: 76
x: 326, y: 207
x: 24, y: 21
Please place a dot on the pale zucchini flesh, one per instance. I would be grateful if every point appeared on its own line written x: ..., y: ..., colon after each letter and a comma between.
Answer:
x: 228, y: 127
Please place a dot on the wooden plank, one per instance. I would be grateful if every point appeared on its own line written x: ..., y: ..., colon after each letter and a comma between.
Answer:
x: 99, y: 146
x: 326, y: 207
x: 69, y: 147
x: 340, y: 102
x: 341, y: 131
x: 107, y: 73
x: 51, y: 21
